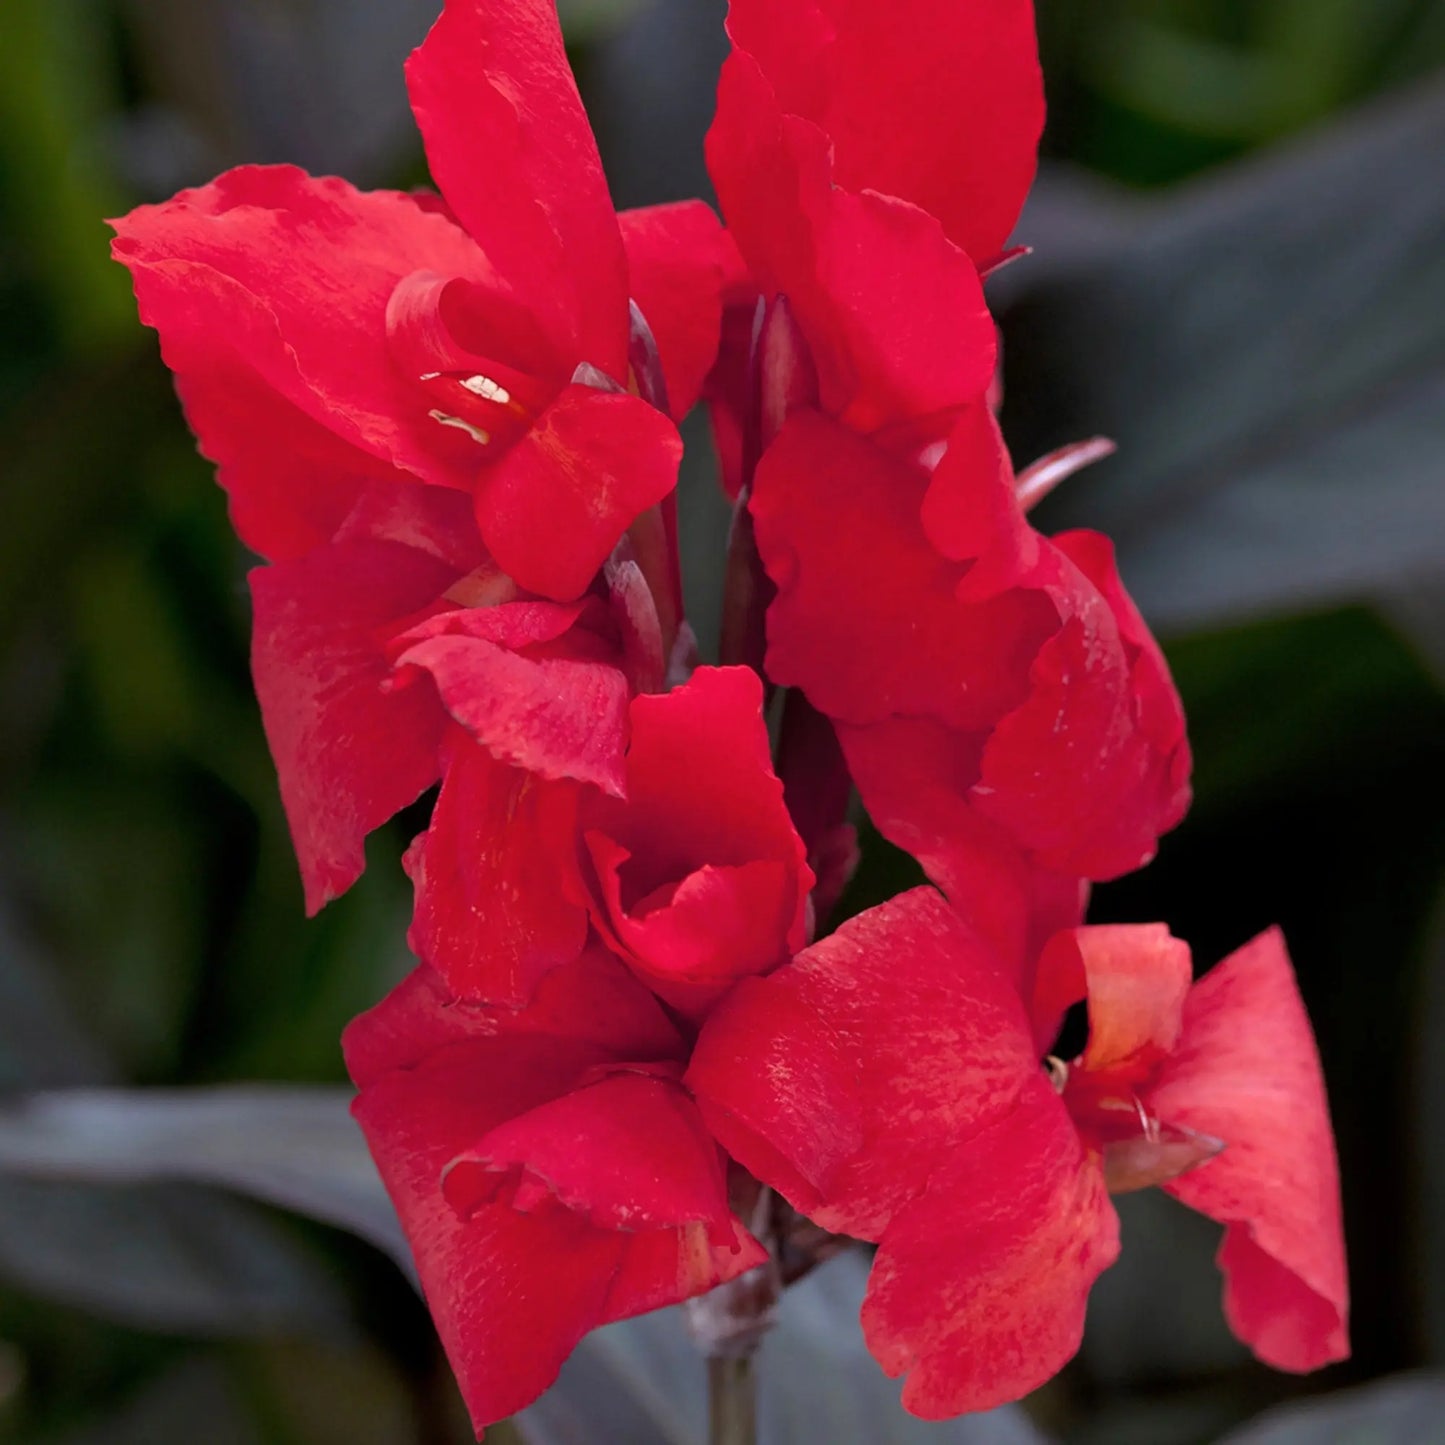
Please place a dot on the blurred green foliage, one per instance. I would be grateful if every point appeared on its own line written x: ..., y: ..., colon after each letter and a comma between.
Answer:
x: 146, y: 862
x: 1151, y: 90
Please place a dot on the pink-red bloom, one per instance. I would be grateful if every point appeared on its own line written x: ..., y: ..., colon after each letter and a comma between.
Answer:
x: 396, y: 645
x: 985, y: 1177
x: 867, y: 192
x: 1024, y: 721
x: 685, y: 860
x: 448, y: 424
x: 698, y: 876
x: 551, y: 1171
x: 418, y: 405
x: 916, y: 607
x: 384, y: 334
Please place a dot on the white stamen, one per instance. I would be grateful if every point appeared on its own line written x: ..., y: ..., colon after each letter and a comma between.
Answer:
x: 487, y: 389
x: 475, y: 432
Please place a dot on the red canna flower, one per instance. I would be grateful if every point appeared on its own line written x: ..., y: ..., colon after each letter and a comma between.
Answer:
x: 397, y: 644
x: 686, y: 861
x: 550, y: 1170
x: 360, y: 335
x: 1043, y: 708
x: 985, y: 1178
x: 915, y: 606
x: 701, y: 878
x: 870, y: 194
x: 947, y: 120
x: 418, y: 407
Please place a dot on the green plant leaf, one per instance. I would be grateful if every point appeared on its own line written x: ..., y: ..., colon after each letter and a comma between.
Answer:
x: 1268, y: 349
x: 1403, y: 1410
x: 295, y: 1147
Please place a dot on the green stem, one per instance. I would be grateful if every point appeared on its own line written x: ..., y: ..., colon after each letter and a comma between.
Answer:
x: 732, y: 1392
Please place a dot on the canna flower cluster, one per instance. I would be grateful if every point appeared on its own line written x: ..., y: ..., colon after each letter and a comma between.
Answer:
x: 633, y: 1062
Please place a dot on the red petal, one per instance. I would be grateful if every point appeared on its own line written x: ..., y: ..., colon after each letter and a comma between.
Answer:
x: 894, y: 311
x: 914, y: 776
x: 509, y: 145
x: 289, y: 481
x: 777, y: 1088
x: 716, y: 926
x: 512, y: 1292
x: 494, y: 911
x: 348, y: 753
x: 1247, y: 1071
x: 1077, y: 772
x: 433, y: 520
x: 866, y: 620
x: 970, y: 512
x: 677, y: 264
x: 558, y: 717
x: 933, y: 1028
x: 553, y: 506
x: 940, y: 1041
x: 1135, y: 977
x: 979, y: 1287
x: 269, y: 289
x: 950, y: 123
x: 1160, y: 712
x: 491, y: 1280
x: 627, y: 1152
x: 588, y: 1010
x: 660, y: 1267
x: 703, y: 877
x: 911, y: 334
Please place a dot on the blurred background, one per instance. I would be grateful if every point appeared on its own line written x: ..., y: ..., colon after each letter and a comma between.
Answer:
x: 1239, y: 274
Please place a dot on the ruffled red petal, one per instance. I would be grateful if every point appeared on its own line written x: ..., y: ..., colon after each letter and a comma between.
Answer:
x: 349, y: 753
x: 1135, y: 977
x: 678, y: 261
x: 1246, y: 1071
x: 491, y: 1280
x: 553, y: 506
x: 951, y: 122
x: 1076, y: 771
x: 778, y: 1088
x: 269, y: 289
x: 702, y: 877
x: 866, y: 620
x: 494, y: 909
x: 914, y: 776
x: 979, y: 1287
x: 894, y: 311
x: 931, y: 1025
x: 591, y: 1009
x: 509, y: 145
x: 513, y: 1291
x: 554, y: 715
x: 627, y: 1152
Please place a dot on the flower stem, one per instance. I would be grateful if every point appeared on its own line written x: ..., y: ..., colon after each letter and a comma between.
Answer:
x: 728, y: 1324
x: 732, y: 1398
